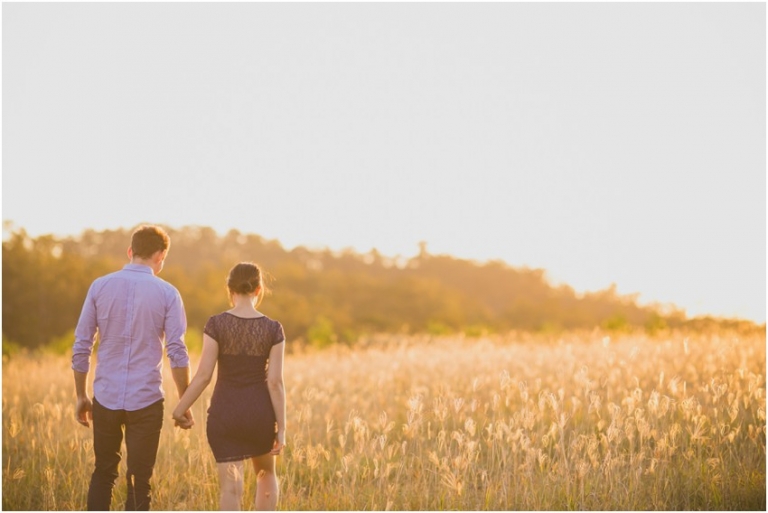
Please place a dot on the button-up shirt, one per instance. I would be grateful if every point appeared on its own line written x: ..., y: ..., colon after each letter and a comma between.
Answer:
x: 134, y: 312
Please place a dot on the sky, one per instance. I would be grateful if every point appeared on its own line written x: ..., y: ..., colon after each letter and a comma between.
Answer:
x: 607, y: 143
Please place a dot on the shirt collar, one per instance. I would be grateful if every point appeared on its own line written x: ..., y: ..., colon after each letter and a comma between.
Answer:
x: 138, y: 267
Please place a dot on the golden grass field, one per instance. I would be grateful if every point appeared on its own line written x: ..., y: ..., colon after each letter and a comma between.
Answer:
x: 579, y: 421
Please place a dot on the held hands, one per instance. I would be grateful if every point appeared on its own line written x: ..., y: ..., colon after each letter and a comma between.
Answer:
x: 84, y: 413
x: 84, y: 410
x: 184, y: 420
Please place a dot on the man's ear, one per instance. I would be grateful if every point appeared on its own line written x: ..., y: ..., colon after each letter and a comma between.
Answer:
x: 130, y: 253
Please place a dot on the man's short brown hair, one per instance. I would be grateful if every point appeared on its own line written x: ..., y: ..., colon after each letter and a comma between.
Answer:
x: 148, y: 240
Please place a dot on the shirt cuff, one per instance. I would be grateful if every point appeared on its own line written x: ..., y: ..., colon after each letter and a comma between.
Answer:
x: 81, y: 363
x: 179, y: 359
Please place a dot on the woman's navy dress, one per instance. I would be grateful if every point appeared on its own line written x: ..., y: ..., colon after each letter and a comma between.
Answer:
x: 241, y: 420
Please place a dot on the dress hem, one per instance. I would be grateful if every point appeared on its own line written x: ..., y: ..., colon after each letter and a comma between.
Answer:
x: 240, y: 458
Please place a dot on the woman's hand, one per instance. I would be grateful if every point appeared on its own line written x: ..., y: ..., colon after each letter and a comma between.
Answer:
x: 184, y: 420
x: 279, y: 444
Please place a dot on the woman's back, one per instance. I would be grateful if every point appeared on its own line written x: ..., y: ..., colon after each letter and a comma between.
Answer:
x: 244, y: 345
x: 241, y: 418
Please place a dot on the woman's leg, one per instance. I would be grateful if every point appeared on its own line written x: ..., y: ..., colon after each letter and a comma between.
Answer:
x: 267, y: 491
x: 231, y: 485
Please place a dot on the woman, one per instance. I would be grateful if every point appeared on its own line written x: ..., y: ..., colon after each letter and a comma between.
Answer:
x: 246, y: 419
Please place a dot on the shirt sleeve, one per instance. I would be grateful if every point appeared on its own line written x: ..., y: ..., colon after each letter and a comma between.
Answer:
x: 175, y: 328
x: 210, y: 328
x: 85, y: 333
x: 279, y: 334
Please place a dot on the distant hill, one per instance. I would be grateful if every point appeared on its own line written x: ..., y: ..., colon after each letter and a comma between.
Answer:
x: 320, y: 296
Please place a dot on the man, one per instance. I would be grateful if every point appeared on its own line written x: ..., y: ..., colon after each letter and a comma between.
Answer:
x: 133, y: 311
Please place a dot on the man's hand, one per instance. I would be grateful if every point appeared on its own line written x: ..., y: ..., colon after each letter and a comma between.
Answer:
x: 84, y: 410
x: 185, y: 420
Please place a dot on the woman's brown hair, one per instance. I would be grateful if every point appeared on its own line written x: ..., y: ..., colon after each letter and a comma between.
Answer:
x: 244, y: 278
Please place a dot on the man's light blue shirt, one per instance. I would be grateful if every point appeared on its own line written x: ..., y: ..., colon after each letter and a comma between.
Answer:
x: 134, y: 312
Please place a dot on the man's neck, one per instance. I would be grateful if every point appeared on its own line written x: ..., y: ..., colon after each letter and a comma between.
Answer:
x: 143, y: 261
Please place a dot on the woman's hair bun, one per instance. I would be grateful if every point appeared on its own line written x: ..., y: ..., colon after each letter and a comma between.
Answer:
x: 244, y: 278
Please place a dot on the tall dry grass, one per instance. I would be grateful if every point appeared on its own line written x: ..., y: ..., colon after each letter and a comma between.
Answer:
x: 583, y: 422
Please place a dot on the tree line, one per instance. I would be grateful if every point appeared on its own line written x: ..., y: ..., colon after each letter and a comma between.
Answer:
x: 320, y: 296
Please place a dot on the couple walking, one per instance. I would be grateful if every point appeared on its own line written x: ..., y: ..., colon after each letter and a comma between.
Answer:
x: 134, y: 312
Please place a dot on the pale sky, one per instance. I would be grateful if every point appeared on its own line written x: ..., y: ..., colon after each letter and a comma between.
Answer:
x: 606, y: 143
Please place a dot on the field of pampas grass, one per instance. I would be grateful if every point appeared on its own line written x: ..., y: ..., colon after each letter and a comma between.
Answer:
x: 580, y: 421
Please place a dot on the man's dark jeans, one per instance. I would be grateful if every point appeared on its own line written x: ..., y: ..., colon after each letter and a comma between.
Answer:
x: 142, y: 436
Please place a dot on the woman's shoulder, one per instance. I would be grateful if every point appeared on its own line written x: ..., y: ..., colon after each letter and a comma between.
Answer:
x: 215, y: 320
x: 272, y: 322
x: 276, y: 328
x: 216, y: 317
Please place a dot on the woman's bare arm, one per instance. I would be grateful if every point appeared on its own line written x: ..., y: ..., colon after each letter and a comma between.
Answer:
x: 277, y: 392
x: 200, y: 381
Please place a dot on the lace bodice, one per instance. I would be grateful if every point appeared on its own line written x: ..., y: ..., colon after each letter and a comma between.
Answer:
x: 244, y: 336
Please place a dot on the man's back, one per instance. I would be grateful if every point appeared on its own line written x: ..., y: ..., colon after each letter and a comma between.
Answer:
x: 133, y: 310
